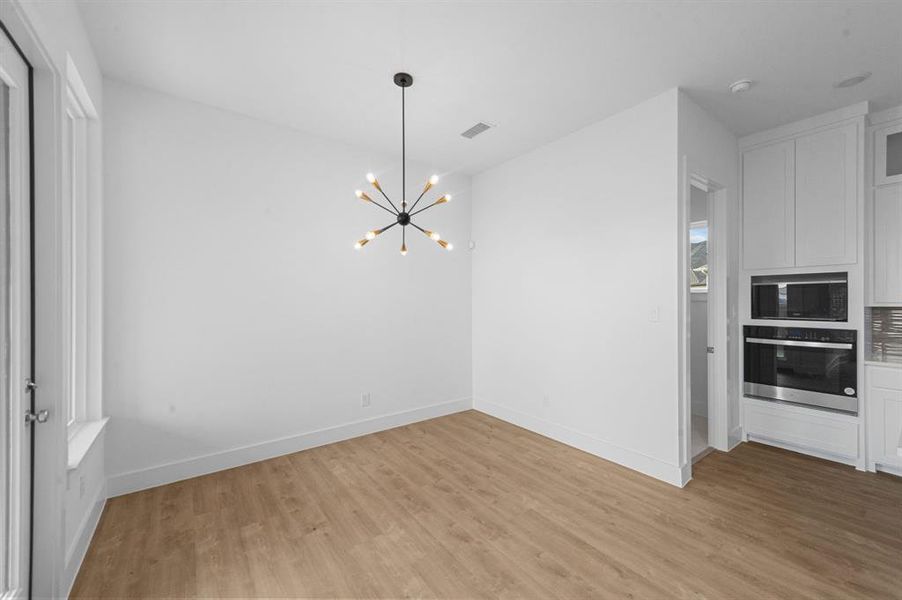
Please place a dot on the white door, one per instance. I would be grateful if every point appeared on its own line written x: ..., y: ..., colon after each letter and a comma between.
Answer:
x: 15, y: 324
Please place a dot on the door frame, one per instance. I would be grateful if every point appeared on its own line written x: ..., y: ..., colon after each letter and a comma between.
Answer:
x: 23, y: 24
x: 718, y: 389
x: 19, y: 377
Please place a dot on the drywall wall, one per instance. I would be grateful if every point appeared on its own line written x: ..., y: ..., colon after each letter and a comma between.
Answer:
x: 240, y: 322
x: 575, y: 287
x: 707, y: 149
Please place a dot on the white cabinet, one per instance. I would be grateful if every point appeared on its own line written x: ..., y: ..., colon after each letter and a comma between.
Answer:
x: 888, y: 155
x: 768, y: 207
x: 826, y: 197
x: 887, y: 245
x: 800, y: 200
x: 884, y: 416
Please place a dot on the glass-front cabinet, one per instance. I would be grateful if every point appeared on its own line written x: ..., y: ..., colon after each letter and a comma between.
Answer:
x: 888, y: 155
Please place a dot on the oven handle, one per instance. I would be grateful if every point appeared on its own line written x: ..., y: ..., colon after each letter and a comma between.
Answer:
x: 789, y: 283
x: 799, y: 343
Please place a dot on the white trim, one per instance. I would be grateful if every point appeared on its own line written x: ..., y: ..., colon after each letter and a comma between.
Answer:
x: 885, y: 116
x: 82, y: 439
x: 790, y: 130
x: 79, y: 548
x: 27, y: 27
x: 653, y: 467
x: 125, y: 483
x: 890, y: 469
x: 77, y: 86
x: 800, y: 448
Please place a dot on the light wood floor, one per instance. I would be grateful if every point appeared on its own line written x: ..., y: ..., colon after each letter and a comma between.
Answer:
x: 467, y: 506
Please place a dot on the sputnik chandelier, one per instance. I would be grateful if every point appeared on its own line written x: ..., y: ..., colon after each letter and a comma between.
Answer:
x: 403, y: 217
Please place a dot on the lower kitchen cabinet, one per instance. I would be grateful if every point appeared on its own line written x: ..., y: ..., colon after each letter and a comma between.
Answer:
x: 884, y: 400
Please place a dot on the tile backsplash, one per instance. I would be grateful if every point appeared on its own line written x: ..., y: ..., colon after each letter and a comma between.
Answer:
x: 884, y: 331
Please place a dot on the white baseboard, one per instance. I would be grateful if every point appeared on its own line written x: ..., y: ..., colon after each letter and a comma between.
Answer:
x: 126, y: 483
x: 78, y: 550
x: 891, y: 469
x: 637, y: 461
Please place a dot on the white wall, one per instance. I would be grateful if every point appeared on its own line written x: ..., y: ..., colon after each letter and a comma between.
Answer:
x: 240, y: 323
x: 709, y: 150
x: 575, y: 331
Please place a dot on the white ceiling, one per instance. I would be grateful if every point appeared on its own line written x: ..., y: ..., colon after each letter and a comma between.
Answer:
x: 539, y: 70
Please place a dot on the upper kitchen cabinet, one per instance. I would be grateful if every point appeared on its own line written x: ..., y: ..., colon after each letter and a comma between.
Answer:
x: 768, y: 207
x: 826, y: 197
x: 887, y: 245
x: 801, y: 186
x: 888, y: 155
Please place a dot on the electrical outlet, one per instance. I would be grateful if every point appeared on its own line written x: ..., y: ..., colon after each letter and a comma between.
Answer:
x: 365, y: 399
x: 654, y: 315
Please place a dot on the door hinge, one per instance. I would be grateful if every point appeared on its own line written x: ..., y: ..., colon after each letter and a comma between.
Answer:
x: 710, y: 349
x: 41, y: 416
x: 30, y: 386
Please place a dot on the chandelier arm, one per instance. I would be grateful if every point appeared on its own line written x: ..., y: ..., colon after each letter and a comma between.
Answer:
x: 418, y: 199
x: 426, y: 208
x: 389, y: 200
x: 387, y: 227
x: 385, y: 208
x: 418, y: 227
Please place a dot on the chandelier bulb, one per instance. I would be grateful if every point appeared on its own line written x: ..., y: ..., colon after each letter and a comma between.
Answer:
x: 434, y: 236
x: 371, y: 235
x: 403, y: 249
x: 443, y: 199
x: 360, y: 244
x: 445, y: 245
x: 433, y: 180
x: 371, y: 178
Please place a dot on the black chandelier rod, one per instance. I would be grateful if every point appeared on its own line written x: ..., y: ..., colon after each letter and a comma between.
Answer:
x: 403, y: 155
x: 385, y: 208
x: 423, y: 193
x: 389, y: 200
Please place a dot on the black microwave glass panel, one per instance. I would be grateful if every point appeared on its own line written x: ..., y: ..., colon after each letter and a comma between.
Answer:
x: 806, y: 298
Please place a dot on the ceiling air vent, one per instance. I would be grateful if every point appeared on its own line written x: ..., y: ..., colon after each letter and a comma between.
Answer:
x: 476, y: 130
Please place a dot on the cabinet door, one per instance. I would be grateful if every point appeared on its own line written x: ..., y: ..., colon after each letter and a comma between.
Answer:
x: 886, y: 425
x: 888, y: 244
x: 768, y: 208
x: 826, y: 195
x: 888, y: 155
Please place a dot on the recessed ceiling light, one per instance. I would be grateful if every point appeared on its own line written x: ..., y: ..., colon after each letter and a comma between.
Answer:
x: 852, y: 80
x: 743, y: 85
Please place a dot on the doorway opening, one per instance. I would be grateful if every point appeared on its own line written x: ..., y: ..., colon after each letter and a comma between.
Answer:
x: 699, y: 341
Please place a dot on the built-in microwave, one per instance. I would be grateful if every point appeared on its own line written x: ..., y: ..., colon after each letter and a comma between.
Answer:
x: 806, y: 297
x: 814, y: 367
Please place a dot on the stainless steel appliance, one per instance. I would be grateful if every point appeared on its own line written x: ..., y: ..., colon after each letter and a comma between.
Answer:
x: 814, y: 367
x: 805, y: 297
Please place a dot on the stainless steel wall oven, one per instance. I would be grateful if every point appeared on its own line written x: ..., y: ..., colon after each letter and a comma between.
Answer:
x: 814, y: 367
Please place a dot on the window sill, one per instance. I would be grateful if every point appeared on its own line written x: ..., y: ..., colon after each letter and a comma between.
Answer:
x: 82, y: 440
